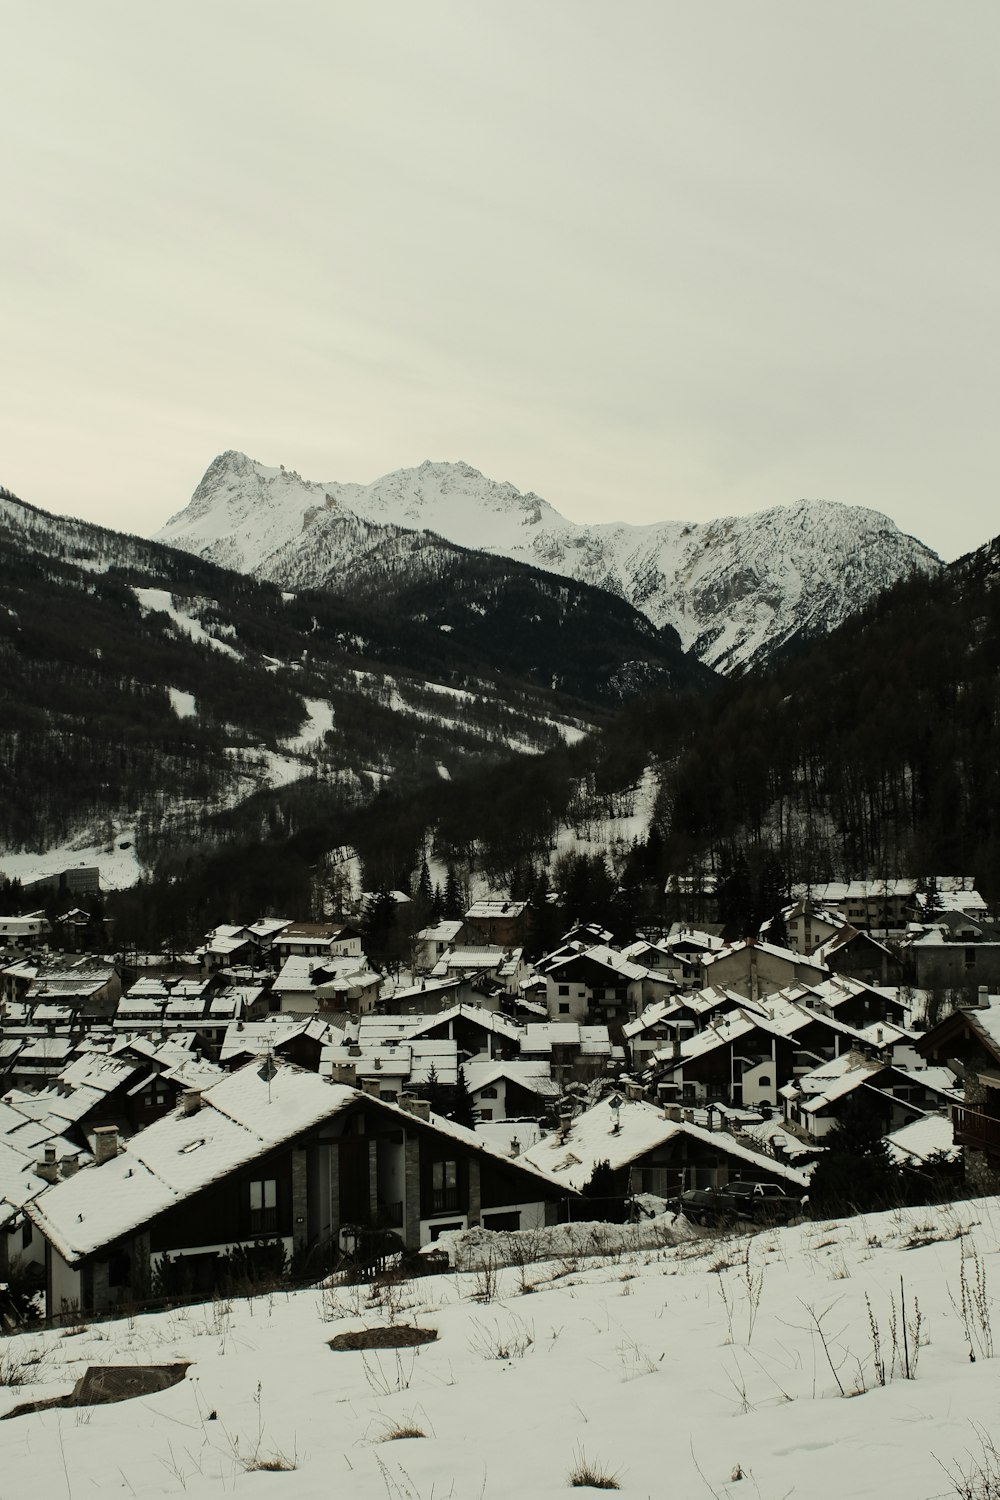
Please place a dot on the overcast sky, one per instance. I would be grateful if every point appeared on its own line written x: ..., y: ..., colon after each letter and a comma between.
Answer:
x: 650, y: 258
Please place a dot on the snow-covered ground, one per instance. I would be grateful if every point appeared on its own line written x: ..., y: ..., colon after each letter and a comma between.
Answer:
x: 319, y: 720
x: 183, y: 704
x: 162, y: 601
x: 612, y: 835
x: 735, y: 1367
x: 115, y: 857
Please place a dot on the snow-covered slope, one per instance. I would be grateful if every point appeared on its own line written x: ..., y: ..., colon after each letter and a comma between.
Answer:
x: 755, y: 1369
x: 736, y: 589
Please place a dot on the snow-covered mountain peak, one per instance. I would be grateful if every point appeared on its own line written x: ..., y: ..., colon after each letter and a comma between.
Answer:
x: 735, y: 588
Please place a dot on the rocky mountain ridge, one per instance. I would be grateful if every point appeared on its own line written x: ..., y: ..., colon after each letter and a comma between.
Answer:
x: 736, y: 590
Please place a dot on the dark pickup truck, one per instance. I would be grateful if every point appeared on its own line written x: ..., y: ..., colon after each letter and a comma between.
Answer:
x: 759, y: 1202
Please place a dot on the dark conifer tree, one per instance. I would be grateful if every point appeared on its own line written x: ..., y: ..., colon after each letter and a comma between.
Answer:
x: 454, y: 907
x: 461, y: 1110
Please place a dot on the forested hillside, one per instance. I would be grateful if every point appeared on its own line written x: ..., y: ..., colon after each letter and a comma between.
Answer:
x: 144, y: 684
x: 874, y: 751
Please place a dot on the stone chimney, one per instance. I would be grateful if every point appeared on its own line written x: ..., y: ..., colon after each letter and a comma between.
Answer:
x: 343, y: 1073
x: 190, y: 1101
x: 370, y: 1086
x: 982, y: 1000
x: 634, y: 1091
x: 673, y: 1112
x: 419, y: 1107
x: 48, y: 1167
x: 105, y: 1143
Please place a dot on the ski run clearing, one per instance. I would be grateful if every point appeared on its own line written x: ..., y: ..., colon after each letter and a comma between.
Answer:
x: 751, y: 1368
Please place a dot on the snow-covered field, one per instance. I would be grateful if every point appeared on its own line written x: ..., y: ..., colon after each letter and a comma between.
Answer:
x: 115, y: 857
x: 731, y: 1367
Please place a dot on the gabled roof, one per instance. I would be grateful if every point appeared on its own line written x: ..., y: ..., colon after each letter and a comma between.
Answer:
x: 477, y: 1015
x: 248, y: 1114
x: 982, y: 1024
x: 257, y: 1038
x: 832, y: 1080
x: 531, y: 1075
x: 799, y: 960
x: 605, y: 958
x: 621, y: 1136
x: 843, y: 939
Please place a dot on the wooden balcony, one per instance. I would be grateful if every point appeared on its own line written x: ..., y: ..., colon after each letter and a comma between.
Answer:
x: 981, y: 1132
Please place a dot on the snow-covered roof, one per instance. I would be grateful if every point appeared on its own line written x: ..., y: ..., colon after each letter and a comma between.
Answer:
x: 858, y: 890
x: 772, y: 950
x: 490, y: 1020
x: 842, y: 939
x: 471, y: 959
x: 441, y: 932
x: 409, y: 1060
x: 832, y: 1080
x: 247, y: 1114
x: 296, y: 973
x: 260, y: 1037
x: 534, y: 1076
x: 608, y: 958
x: 152, y: 988
x: 502, y: 906
x: 509, y: 1137
x: 268, y: 927
x: 243, y: 1116
x: 931, y: 1135
x: 620, y: 1136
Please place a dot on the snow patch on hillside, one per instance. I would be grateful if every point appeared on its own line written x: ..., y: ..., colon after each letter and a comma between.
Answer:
x: 591, y: 829
x: 318, y: 722
x: 161, y: 601
x: 183, y: 704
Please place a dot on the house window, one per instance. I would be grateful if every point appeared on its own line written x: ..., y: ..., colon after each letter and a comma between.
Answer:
x: 486, y: 1114
x: 763, y: 1082
x: 263, y: 1205
x: 488, y: 1093
x: 564, y: 1008
x: 511, y: 1219
x: 444, y: 1186
x: 119, y: 1269
x: 970, y: 958
x: 439, y: 1229
x: 564, y: 989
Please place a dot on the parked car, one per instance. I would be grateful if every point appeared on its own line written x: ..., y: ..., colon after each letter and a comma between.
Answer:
x: 759, y: 1202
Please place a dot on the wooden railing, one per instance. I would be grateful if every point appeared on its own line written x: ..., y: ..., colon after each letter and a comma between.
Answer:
x: 981, y: 1132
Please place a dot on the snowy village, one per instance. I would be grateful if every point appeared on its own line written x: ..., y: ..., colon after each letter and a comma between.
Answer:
x: 272, y: 1116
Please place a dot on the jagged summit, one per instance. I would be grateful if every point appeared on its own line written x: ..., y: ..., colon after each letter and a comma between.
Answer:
x: 736, y: 589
